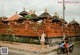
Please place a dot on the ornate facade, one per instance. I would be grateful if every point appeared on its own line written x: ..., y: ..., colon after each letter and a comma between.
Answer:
x: 20, y: 25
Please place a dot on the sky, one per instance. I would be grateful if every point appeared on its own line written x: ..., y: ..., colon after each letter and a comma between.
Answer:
x: 72, y: 7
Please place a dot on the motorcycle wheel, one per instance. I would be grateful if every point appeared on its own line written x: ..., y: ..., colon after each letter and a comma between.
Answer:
x: 71, y: 49
x: 59, y: 51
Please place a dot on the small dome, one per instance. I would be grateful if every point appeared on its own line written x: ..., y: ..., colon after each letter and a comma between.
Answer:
x: 45, y: 14
x: 23, y: 13
x: 74, y: 23
x: 3, y: 18
x: 13, y: 17
x: 63, y: 21
x: 55, y: 18
x: 34, y: 16
x: 22, y: 18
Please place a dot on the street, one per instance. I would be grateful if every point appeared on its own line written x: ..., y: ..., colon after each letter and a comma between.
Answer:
x: 75, y: 52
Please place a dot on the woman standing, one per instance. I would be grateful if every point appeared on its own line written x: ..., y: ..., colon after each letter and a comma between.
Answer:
x: 42, y: 39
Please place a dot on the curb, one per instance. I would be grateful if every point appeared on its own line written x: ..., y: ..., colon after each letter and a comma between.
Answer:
x: 45, y: 50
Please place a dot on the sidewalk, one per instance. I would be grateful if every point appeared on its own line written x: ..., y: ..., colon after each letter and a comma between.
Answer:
x: 27, y: 47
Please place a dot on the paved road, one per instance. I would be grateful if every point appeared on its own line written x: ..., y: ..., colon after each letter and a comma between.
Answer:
x: 75, y: 52
x: 12, y: 52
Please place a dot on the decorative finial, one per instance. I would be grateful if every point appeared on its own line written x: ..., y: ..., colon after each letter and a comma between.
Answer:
x: 30, y: 12
x: 55, y: 14
x: 58, y: 16
x: 61, y: 17
x: 16, y: 12
x: 34, y: 12
x: 73, y: 19
x: 23, y: 8
x: 45, y: 9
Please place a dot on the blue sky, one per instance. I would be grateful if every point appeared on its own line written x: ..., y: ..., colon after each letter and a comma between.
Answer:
x: 72, y: 7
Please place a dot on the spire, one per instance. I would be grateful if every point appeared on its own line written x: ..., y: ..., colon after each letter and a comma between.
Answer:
x: 58, y: 16
x: 73, y: 19
x: 55, y: 14
x: 16, y: 12
x: 45, y: 9
x: 23, y: 8
x: 30, y: 12
x: 61, y: 17
x: 34, y: 12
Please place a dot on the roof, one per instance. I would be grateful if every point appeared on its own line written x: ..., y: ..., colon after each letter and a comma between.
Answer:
x: 3, y: 18
x: 63, y: 21
x: 20, y: 18
x: 45, y: 14
x: 34, y: 16
x: 74, y: 22
x: 56, y: 18
x: 23, y: 12
x: 14, y: 17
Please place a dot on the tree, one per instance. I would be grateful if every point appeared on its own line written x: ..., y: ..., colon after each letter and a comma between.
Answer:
x: 28, y: 16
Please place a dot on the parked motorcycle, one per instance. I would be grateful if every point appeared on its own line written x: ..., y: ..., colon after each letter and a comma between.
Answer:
x: 62, y: 49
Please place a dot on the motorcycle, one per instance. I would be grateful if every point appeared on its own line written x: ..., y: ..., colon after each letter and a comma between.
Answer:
x: 62, y: 49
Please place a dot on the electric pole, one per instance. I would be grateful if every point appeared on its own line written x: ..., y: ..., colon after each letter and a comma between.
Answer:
x: 63, y: 16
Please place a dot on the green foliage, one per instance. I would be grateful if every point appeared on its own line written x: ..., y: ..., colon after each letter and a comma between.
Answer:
x: 2, y: 37
x: 7, y: 38
x: 28, y: 16
x: 77, y: 39
x: 12, y: 38
x: 24, y: 40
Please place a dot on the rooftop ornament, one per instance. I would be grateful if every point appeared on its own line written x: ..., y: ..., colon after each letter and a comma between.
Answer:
x: 44, y: 15
x: 23, y: 13
x: 55, y: 14
x: 45, y: 9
